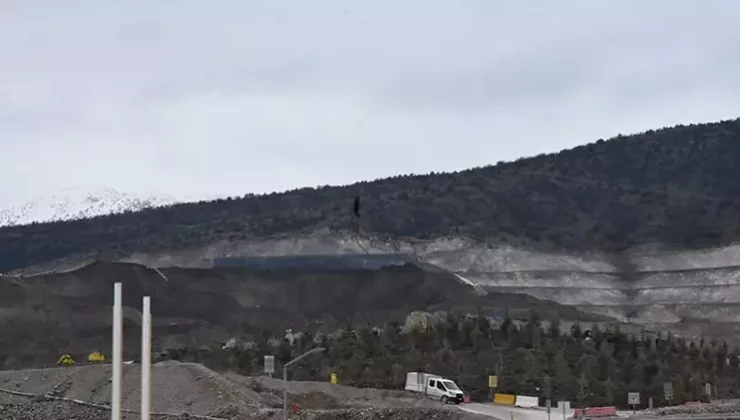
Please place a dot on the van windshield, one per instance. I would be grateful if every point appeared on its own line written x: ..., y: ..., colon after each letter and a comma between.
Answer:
x: 451, y: 385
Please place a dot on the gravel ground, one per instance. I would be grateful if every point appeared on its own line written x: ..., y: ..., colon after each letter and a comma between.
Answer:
x: 179, y: 388
x: 67, y: 411
x: 63, y: 411
x: 384, y: 414
x: 728, y: 408
x: 176, y: 387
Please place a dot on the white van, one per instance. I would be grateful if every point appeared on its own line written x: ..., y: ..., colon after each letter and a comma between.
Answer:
x: 434, y: 386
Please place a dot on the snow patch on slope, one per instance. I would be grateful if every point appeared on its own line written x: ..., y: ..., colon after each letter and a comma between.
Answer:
x: 78, y: 203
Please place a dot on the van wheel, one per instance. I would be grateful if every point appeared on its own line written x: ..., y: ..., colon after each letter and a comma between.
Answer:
x: 445, y: 400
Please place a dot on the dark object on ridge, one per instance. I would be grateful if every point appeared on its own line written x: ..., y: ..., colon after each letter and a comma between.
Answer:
x: 356, y: 208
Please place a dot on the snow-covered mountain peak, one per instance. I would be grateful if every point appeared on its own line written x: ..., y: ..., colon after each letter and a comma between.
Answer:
x: 78, y: 203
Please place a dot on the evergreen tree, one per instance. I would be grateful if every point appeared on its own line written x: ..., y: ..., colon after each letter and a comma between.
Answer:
x: 594, y: 371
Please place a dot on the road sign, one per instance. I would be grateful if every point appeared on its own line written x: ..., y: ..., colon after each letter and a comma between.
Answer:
x: 333, y: 378
x: 708, y: 389
x: 668, y: 390
x: 493, y: 381
x: 269, y: 364
x: 633, y: 398
x: 564, y: 408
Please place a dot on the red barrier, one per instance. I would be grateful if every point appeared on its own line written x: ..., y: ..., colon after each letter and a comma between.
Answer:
x: 601, y: 411
x: 595, y: 412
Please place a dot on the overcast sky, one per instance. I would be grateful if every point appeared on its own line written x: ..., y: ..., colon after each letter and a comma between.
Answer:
x: 196, y: 98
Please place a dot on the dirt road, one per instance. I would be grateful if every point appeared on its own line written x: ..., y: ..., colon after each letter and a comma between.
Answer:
x: 507, y: 413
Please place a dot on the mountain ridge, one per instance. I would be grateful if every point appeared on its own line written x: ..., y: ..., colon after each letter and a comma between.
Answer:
x: 675, y: 187
x: 612, y: 226
x: 78, y: 203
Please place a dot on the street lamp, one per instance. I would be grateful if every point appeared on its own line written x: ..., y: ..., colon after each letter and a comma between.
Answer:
x: 285, y: 376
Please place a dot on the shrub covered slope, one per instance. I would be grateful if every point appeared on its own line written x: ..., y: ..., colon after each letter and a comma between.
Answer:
x: 676, y: 186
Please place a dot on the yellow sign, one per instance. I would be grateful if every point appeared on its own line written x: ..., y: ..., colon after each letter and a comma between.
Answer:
x: 493, y: 381
x: 95, y: 357
x: 333, y: 379
x: 66, y: 360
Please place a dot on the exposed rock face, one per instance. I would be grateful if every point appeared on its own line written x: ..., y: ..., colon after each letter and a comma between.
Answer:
x: 419, y: 321
x: 695, y: 291
x: 424, y: 321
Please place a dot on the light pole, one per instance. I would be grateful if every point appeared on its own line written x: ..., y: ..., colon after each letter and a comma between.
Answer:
x: 146, y: 358
x: 498, y: 368
x: 285, y: 376
x: 117, y: 359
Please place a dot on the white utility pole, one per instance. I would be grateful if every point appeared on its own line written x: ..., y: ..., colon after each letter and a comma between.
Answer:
x: 146, y: 358
x: 117, y: 361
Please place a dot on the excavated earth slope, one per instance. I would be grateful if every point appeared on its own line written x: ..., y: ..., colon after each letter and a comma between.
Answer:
x: 44, y: 316
x: 690, y: 292
x: 694, y: 292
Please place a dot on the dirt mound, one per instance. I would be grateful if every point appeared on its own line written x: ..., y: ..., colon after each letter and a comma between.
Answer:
x: 176, y: 388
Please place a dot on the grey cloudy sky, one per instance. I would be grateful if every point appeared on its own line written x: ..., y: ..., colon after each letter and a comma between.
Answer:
x: 197, y: 98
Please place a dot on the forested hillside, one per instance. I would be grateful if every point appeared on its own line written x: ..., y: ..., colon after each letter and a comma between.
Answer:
x: 676, y: 186
x: 587, y: 366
